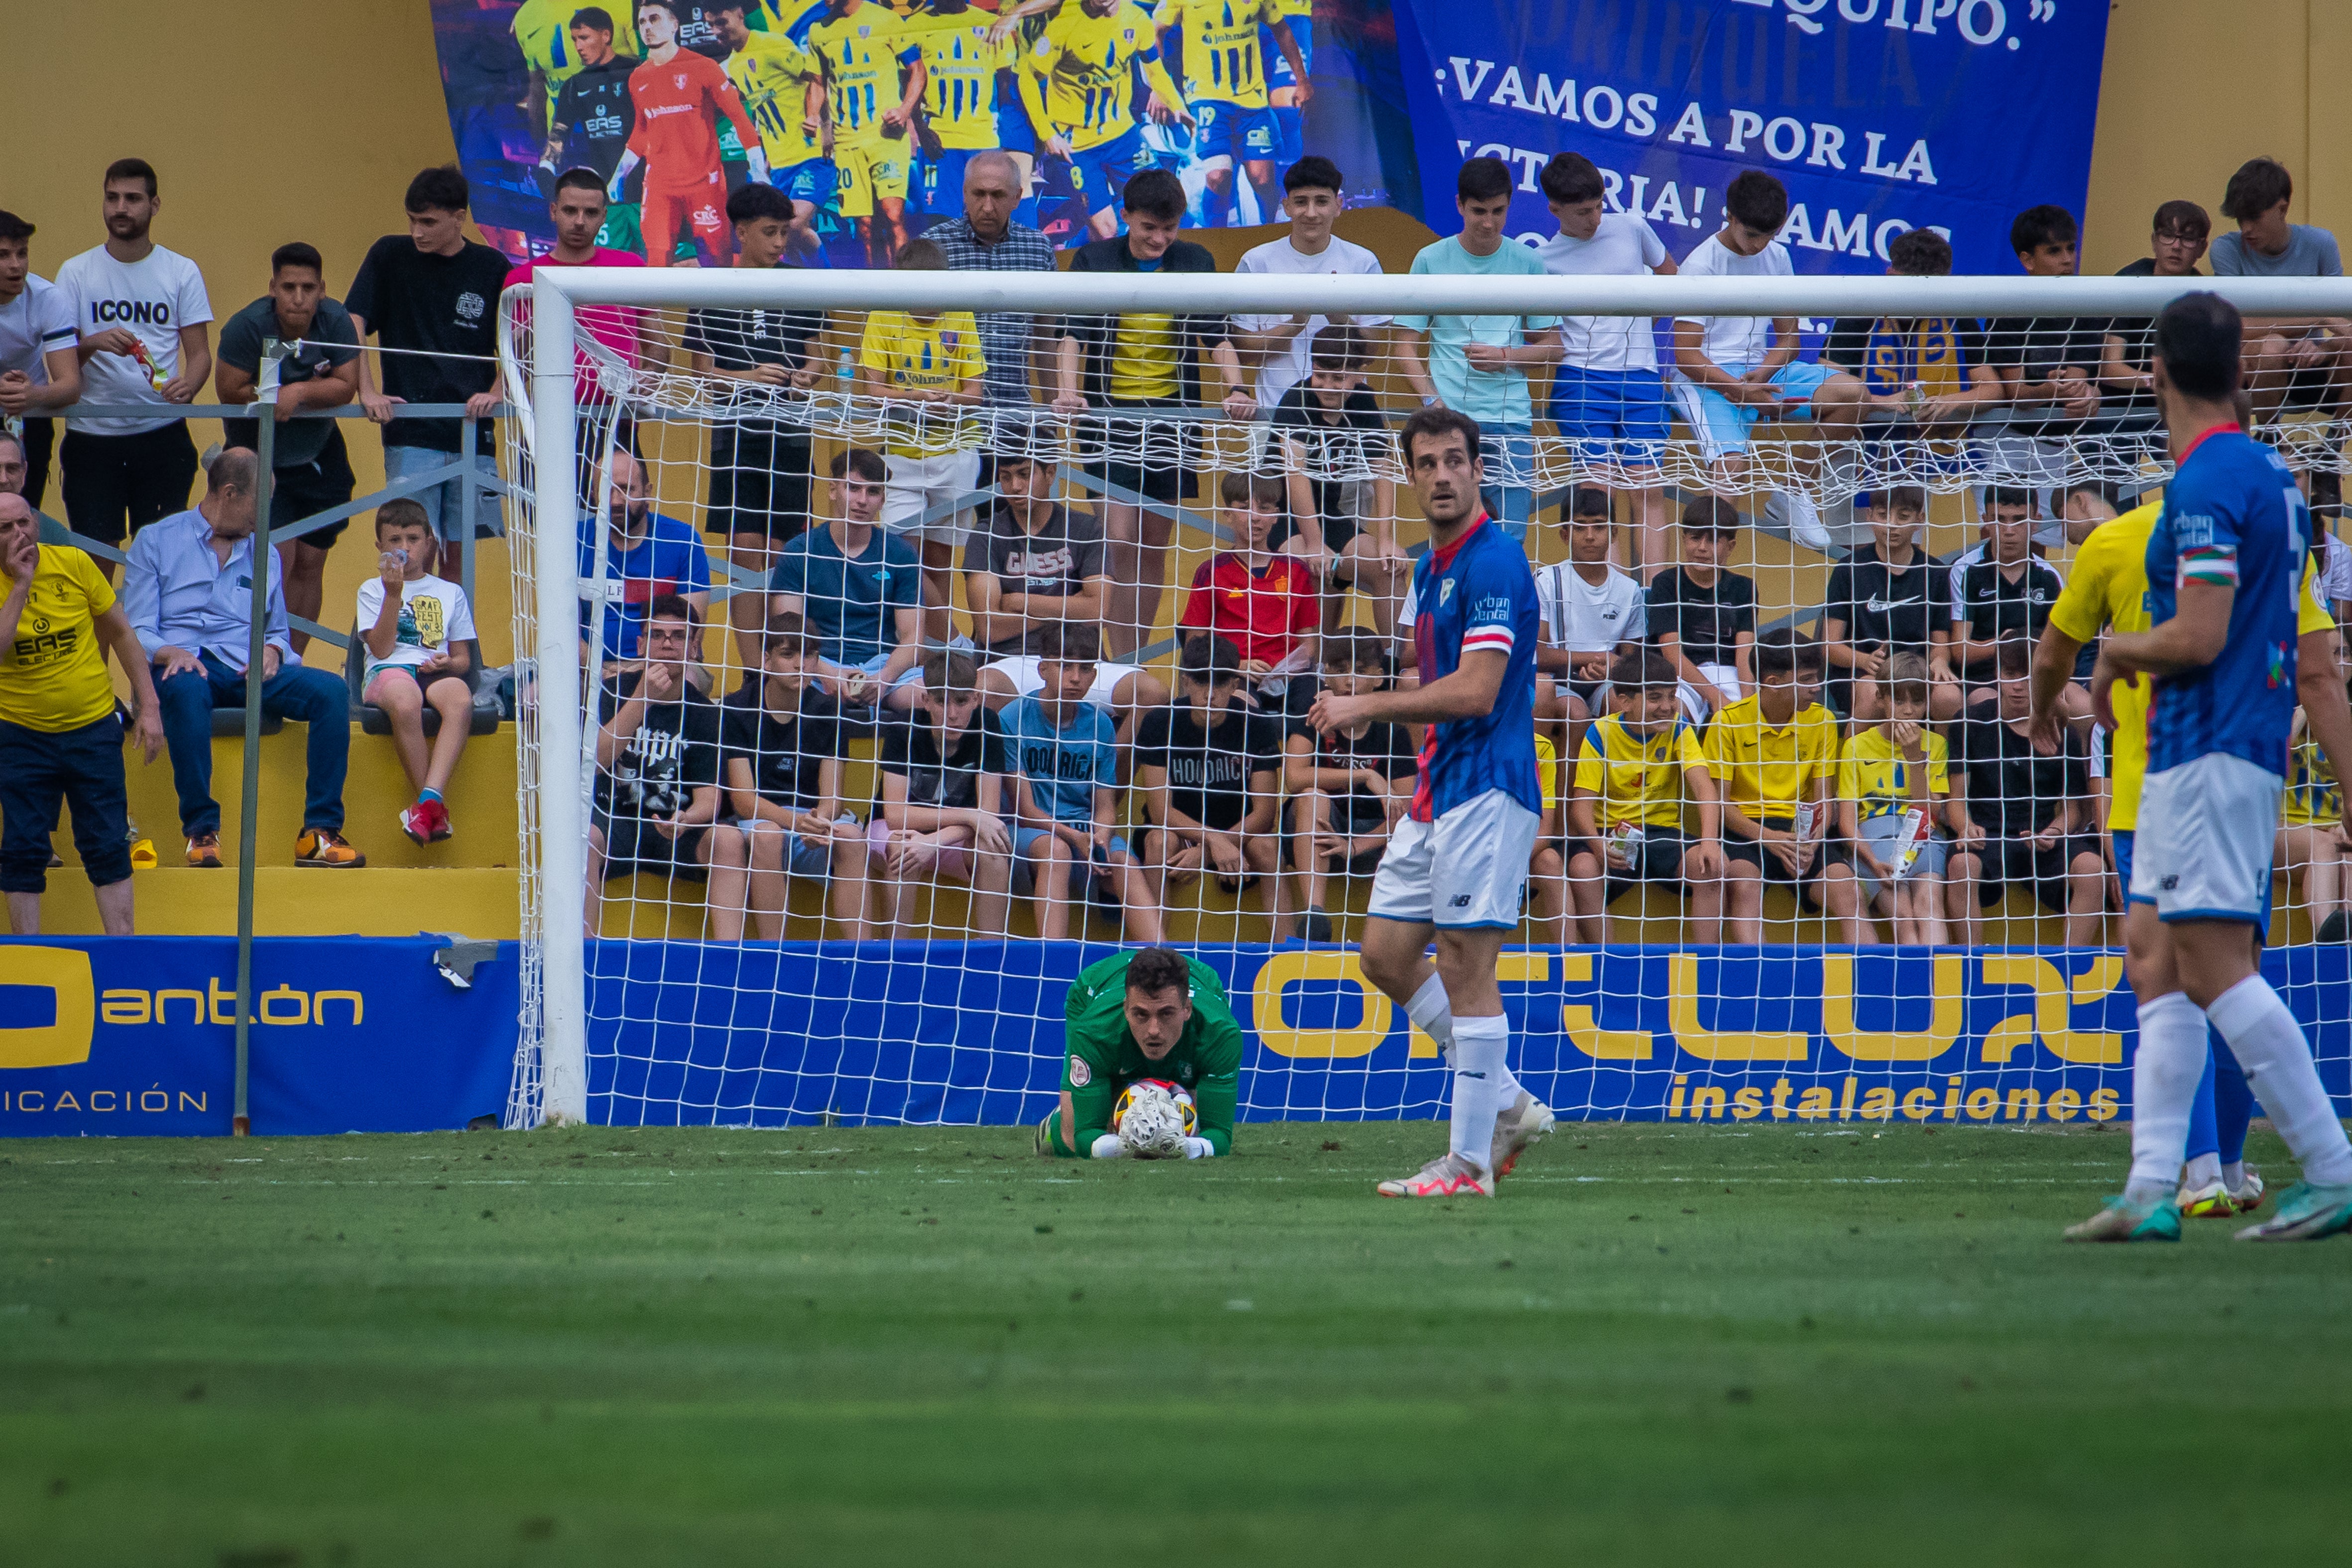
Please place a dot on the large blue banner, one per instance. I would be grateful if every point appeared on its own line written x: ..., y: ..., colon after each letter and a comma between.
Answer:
x: 136, y: 1037
x: 1878, y: 115
x: 775, y: 1035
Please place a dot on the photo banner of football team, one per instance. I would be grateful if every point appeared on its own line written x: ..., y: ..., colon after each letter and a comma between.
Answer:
x: 1880, y: 115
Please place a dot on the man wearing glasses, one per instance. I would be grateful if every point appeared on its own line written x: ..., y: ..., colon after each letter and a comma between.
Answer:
x: 2178, y: 242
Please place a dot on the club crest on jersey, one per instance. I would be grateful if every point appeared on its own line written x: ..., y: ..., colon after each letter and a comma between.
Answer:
x: 1444, y: 591
x: 1081, y: 1074
x: 679, y: 80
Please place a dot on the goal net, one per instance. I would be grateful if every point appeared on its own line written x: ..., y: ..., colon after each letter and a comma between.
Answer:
x: 893, y: 645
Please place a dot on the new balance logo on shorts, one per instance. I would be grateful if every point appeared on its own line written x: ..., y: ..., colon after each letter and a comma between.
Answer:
x: 2170, y: 884
x: 1460, y: 901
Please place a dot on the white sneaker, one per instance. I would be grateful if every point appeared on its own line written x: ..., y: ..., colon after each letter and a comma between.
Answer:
x: 1801, y: 518
x: 1526, y: 1121
x: 1448, y: 1176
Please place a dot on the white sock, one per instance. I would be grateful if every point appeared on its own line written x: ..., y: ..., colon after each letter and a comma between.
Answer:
x: 2202, y: 1171
x: 2269, y: 1043
x: 1479, y: 1046
x: 2233, y: 1175
x: 2170, y: 1060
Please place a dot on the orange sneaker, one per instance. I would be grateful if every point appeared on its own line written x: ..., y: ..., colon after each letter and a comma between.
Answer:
x: 204, y: 849
x: 325, y: 846
x: 1447, y: 1176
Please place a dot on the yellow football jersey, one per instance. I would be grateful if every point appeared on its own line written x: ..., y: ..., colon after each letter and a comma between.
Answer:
x: 860, y: 54
x: 1764, y: 769
x: 960, y: 67
x: 772, y: 74
x: 2314, y: 797
x: 53, y: 674
x: 1875, y: 775
x: 1638, y: 778
x: 923, y: 356
x: 1221, y: 47
x: 2107, y: 586
x: 1086, y: 67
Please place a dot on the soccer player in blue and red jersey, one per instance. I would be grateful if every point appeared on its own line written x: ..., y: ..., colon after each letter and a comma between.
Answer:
x: 2224, y: 568
x: 1459, y: 859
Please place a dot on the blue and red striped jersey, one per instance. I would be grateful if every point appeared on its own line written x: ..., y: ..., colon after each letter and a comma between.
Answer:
x: 1479, y: 594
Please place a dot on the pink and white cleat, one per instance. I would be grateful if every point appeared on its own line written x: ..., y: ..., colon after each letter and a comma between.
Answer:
x: 1448, y: 1176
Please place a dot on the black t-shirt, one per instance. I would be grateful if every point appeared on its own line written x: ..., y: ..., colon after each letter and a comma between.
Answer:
x: 910, y: 748
x: 2037, y: 346
x: 1208, y: 771
x: 1352, y: 437
x: 2012, y: 788
x: 1994, y: 607
x: 786, y: 752
x: 2139, y: 335
x: 746, y: 340
x: 1387, y: 749
x: 1707, y: 619
x: 442, y: 304
x: 673, y: 751
x: 1053, y: 562
x: 597, y: 113
x: 1883, y: 608
x: 697, y: 29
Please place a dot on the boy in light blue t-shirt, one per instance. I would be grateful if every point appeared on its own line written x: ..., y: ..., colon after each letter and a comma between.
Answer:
x: 1478, y: 366
x: 1066, y: 790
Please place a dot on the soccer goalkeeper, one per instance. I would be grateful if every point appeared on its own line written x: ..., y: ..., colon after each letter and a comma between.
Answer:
x: 1149, y: 1014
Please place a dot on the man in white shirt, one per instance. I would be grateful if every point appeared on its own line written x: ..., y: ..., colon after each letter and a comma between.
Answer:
x: 1276, y: 346
x: 142, y: 312
x: 1589, y: 609
x: 40, y: 367
x: 1732, y: 371
x: 1607, y: 396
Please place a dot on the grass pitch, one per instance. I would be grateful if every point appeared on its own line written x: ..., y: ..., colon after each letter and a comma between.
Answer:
x: 852, y: 1345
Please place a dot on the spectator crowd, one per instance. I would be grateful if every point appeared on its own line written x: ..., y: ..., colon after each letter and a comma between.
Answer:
x: 980, y: 622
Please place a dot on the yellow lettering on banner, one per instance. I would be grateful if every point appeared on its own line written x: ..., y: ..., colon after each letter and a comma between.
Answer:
x: 1877, y: 1104
x: 164, y: 1000
x: 64, y: 973
x: 319, y: 1005
x: 285, y: 993
x: 1602, y: 1044
x: 1982, y: 1103
x: 1729, y: 1045
x: 126, y: 1008
x: 2105, y: 1105
x: 2055, y: 1001
x: 1279, y: 972
x: 1813, y: 1105
x: 221, y: 996
x: 1919, y: 1104
x: 2024, y: 1105
x: 1837, y: 1017
x: 2064, y: 1105
x: 1747, y: 1105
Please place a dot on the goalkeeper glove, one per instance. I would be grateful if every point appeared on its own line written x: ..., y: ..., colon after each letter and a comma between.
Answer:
x: 1107, y: 1147
x: 1199, y: 1149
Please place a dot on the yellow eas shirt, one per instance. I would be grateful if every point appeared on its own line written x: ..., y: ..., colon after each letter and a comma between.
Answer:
x: 923, y: 356
x: 960, y: 67
x: 53, y: 675
x: 772, y: 76
x: 1221, y: 47
x: 2107, y: 586
x: 1875, y: 775
x: 1146, y: 360
x: 1765, y: 769
x: 1639, y: 779
x: 1085, y: 66
x: 860, y: 54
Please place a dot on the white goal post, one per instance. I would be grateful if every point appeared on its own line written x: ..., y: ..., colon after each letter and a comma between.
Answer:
x: 545, y: 340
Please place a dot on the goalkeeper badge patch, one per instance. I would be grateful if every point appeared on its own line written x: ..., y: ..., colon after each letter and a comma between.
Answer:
x: 1081, y: 1074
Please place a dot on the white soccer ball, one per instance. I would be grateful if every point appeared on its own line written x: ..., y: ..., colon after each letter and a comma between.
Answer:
x: 1160, y: 1086
x: 1152, y: 1129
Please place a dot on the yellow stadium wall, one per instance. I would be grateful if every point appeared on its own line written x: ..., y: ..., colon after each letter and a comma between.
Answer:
x: 269, y: 122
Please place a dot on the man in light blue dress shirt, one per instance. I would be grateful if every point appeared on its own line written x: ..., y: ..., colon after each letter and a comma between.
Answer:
x: 189, y: 593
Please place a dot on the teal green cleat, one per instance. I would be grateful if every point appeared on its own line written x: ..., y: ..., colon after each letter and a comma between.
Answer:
x: 2305, y: 1212
x: 2125, y: 1220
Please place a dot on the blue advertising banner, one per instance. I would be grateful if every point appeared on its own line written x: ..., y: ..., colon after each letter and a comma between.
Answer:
x: 136, y: 1037
x: 1879, y: 115
x: 777, y: 1035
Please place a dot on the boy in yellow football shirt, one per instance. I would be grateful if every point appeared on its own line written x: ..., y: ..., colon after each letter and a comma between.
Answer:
x: 1638, y: 772
x: 60, y: 742
x: 930, y: 365
x: 1894, y: 767
x: 1774, y: 755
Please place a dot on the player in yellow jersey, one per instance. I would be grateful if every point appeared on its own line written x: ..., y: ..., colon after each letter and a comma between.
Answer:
x: 1289, y: 89
x: 869, y: 107
x: 1079, y: 85
x: 543, y: 31
x: 1226, y: 86
x: 2311, y: 831
x: 961, y: 63
x: 772, y: 74
x: 2108, y: 588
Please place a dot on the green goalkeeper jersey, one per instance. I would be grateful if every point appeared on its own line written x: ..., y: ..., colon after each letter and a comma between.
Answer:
x: 1103, y: 1059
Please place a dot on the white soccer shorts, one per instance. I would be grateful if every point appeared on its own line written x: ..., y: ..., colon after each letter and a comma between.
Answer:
x: 925, y: 486
x: 1463, y: 871
x: 2206, y: 832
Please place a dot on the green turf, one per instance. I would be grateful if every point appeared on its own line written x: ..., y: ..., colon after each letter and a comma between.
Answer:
x: 1704, y: 1346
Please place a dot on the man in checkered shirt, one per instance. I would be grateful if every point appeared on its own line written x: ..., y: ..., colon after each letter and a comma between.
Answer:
x: 986, y: 239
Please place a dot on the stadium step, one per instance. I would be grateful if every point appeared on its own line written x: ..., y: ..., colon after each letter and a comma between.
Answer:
x: 290, y: 901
